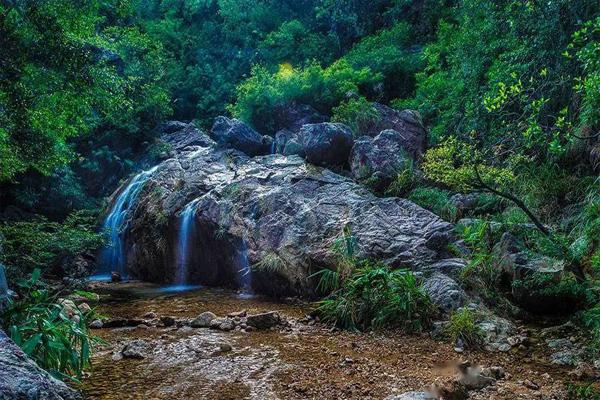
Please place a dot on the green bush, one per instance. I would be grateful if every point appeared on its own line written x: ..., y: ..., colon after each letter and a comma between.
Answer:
x: 44, y: 244
x: 548, y: 294
x: 357, y: 113
x: 463, y: 327
x: 322, y: 88
x: 405, y: 180
x: 435, y: 200
x: 375, y: 296
x: 38, y: 324
x: 582, y: 392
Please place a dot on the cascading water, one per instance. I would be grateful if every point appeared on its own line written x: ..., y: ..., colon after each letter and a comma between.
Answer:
x: 113, y: 257
x: 244, y: 272
x: 186, y: 234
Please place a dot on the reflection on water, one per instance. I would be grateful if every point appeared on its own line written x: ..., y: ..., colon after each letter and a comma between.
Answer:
x: 175, y: 288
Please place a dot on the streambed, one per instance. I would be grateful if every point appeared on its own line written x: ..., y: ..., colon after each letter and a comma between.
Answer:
x: 298, y: 361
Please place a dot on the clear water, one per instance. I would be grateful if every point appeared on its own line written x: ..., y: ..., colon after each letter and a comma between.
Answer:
x: 100, y: 278
x: 177, y: 288
x: 186, y: 235
x: 113, y: 257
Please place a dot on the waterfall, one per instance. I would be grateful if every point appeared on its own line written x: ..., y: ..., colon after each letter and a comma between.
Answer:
x: 244, y: 272
x: 113, y: 257
x: 186, y: 232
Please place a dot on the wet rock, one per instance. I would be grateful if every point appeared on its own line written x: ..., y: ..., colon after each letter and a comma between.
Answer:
x: 383, y: 156
x: 96, y: 324
x: 203, y: 320
x: 277, y: 207
x: 235, y: 134
x: 21, y: 378
x: 167, y: 321
x: 225, y: 347
x: 445, y: 292
x: 264, y: 320
x: 326, y: 144
x: 136, y: 349
x: 531, y: 385
x: 115, y: 277
x: 149, y: 315
x: 222, y: 324
x: 122, y: 323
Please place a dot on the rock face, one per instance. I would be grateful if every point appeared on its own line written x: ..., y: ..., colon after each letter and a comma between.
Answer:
x: 382, y: 157
x: 181, y: 135
x: 445, y: 292
x: 237, y: 135
x: 326, y: 144
x: 275, y: 208
x: 21, y: 378
x: 407, y: 123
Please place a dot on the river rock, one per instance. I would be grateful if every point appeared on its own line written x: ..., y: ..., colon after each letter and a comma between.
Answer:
x: 326, y: 144
x: 382, y: 156
x: 264, y: 320
x: 237, y: 135
x: 96, y: 324
x: 136, y: 349
x: 203, y: 320
x: 275, y: 207
x: 222, y: 324
x: 21, y: 378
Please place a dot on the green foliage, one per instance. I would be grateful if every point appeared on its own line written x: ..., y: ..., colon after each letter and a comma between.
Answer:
x: 60, y: 80
x: 43, y: 244
x: 357, y: 113
x: 405, y: 180
x: 436, y: 201
x: 322, y: 88
x: 463, y: 327
x: 40, y: 326
x: 374, y: 297
x: 582, y: 392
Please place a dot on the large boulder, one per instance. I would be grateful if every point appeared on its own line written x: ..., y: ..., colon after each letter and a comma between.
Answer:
x: 445, y: 292
x: 21, y: 378
x: 382, y: 157
x: 235, y: 134
x: 269, y: 222
x: 407, y: 122
x: 180, y: 135
x: 326, y: 144
x: 294, y: 116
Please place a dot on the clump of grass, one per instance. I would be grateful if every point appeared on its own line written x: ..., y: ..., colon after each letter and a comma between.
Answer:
x: 435, y: 200
x: 270, y: 262
x: 463, y: 328
x: 374, y: 297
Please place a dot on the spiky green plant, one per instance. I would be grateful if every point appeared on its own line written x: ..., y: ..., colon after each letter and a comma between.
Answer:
x: 375, y: 296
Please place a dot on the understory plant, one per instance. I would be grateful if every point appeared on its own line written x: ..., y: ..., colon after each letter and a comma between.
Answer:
x: 463, y: 327
x: 375, y: 296
x: 36, y: 322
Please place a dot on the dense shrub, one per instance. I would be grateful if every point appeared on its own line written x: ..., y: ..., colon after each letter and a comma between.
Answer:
x: 43, y: 244
x: 322, y: 88
x: 375, y: 296
x: 58, y: 342
x: 357, y: 113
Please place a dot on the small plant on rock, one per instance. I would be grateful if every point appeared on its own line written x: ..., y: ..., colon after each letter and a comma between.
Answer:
x: 463, y: 328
